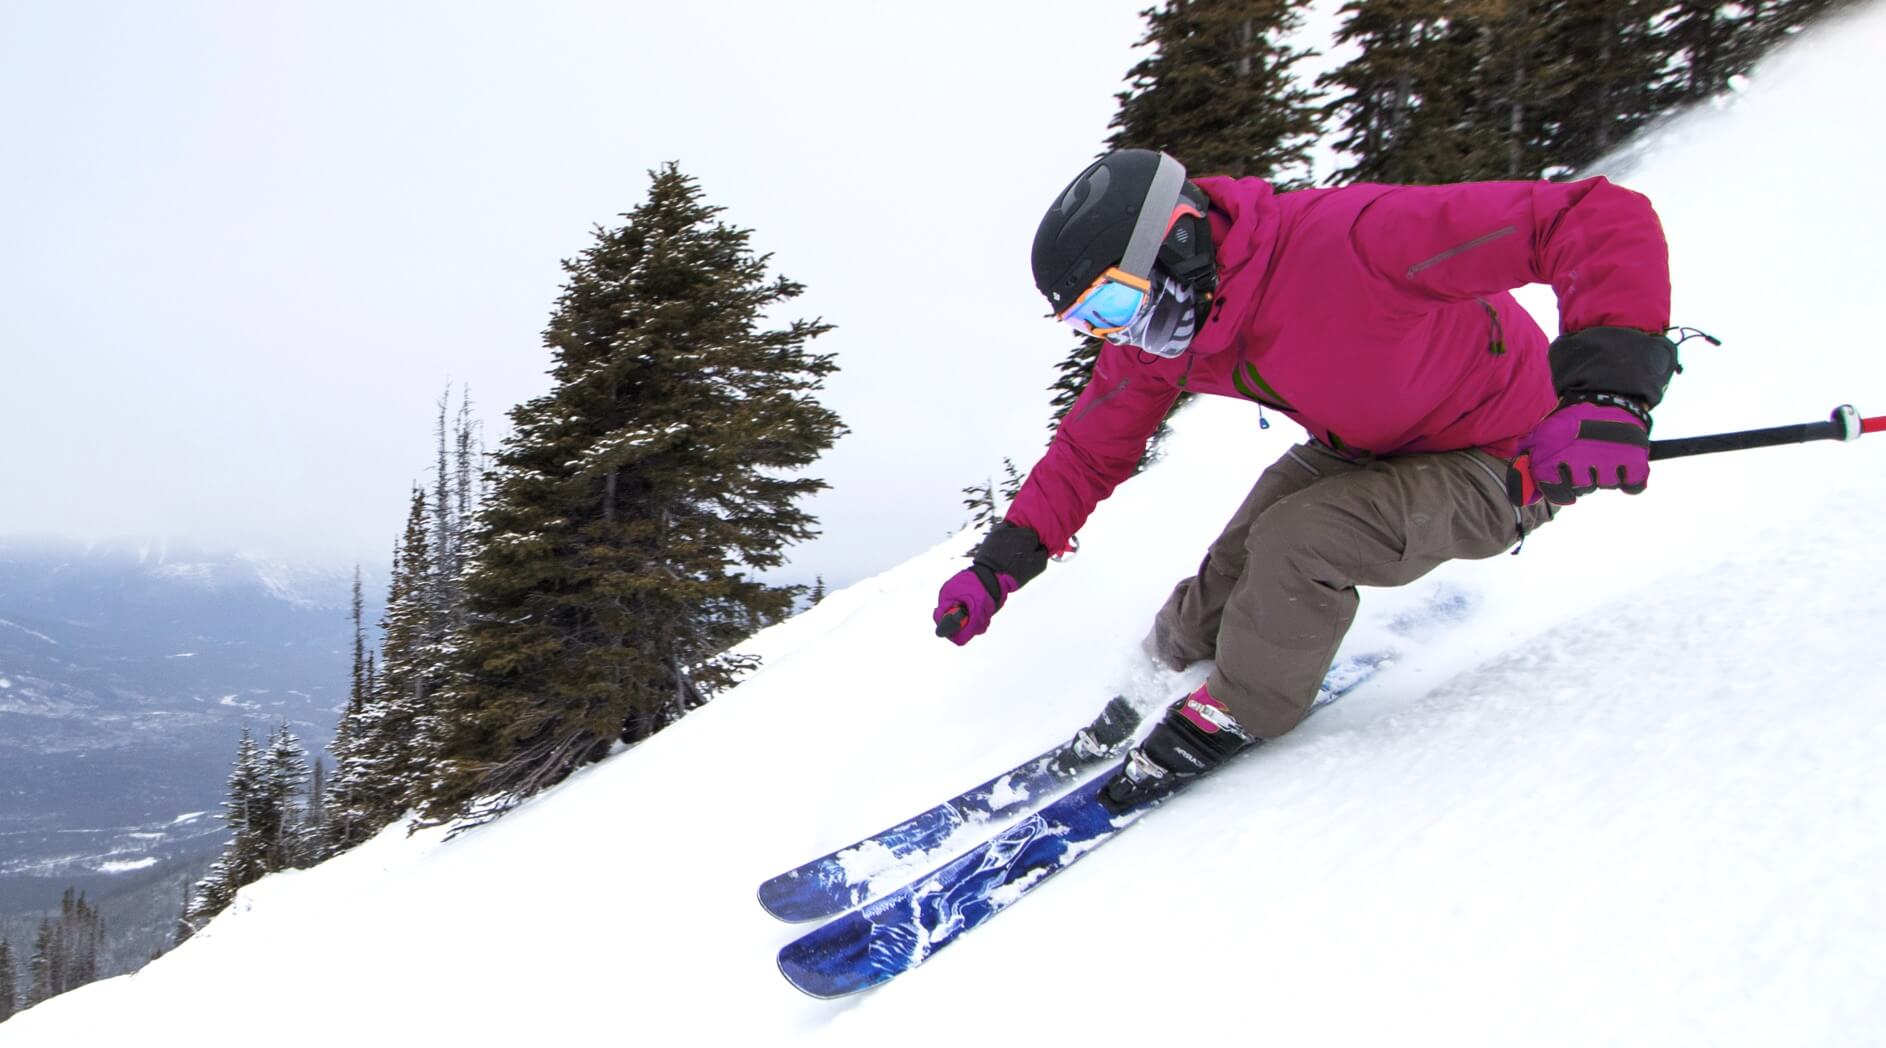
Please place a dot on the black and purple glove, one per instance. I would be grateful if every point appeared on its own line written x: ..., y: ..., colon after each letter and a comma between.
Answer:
x: 1583, y: 447
x: 1007, y: 559
x: 1608, y: 379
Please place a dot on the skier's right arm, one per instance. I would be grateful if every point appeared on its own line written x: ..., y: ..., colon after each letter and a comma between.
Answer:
x: 1098, y: 445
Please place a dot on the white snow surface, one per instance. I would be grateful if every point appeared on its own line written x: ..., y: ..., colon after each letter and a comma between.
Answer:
x: 1635, y: 796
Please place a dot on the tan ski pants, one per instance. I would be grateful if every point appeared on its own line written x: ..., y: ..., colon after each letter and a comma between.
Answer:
x: 1277, y: 590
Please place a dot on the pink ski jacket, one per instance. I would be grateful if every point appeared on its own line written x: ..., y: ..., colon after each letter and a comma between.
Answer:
x: 1377, y: 317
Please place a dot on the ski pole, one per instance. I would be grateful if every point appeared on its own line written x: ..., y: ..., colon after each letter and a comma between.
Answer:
x: 1844, y: 424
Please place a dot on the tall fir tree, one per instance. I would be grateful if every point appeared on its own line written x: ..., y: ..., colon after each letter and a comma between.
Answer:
x: 389, y: 739
x: 411, y: 673
x: 67, y: 952
x: 284, y: 824
x: 9, y: 979
x: 243, y: 860
x: 1711, y: 43
x: 268, y: 830
x: 1436, y: 93
x: 1615, y: 81
x: 42, y: 970
x: 347, y: 819
x: 632, y: 503
x: 1218, y: 91
x: 317, y: 810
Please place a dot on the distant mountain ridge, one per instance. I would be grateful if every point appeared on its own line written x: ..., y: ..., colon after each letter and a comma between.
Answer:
x: 127, y: 672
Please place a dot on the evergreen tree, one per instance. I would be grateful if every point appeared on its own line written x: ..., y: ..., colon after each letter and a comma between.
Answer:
x: 1711, y: 43
x: 979, y: 500
x: 66, y: 953
x: 1437, y: 92
x: 347, y: 822
x: 43, y: 968
x: 79, y: 938
x: 186, y: 923
x: 987, y: 500
x: 1610, y: 66
x: 1218, y: 92
x: 1012, y: 481
x: 317, y: 810
x: 244, y: 856
x: 280, y: 823
x: 8, y: 980
x: 410, y: 670
x: 818, y: 590
x: 632, y: 501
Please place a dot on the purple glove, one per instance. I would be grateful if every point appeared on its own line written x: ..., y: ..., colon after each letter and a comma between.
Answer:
x: 1582, y: 447
x: 969, y: 600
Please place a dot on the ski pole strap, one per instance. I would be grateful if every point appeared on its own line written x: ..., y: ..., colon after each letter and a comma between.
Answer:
x: 1844, y: 424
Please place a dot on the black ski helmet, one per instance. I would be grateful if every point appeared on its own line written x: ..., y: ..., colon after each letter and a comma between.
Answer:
x: 1116, y: 213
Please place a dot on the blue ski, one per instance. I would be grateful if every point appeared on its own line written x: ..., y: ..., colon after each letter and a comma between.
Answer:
x: 836, y: 882
x: 873, y: 945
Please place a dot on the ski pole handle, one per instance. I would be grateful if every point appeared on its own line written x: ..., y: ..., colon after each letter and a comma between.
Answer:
x: 952, y: 621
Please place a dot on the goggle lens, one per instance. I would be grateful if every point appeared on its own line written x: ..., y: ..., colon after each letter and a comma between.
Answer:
x: 1106, y: 307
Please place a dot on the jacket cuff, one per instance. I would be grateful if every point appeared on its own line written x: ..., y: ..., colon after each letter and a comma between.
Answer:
x: 1014, y: 550
x: 1616, y: 360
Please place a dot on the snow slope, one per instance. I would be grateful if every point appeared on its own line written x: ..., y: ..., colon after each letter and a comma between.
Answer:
x: 1636, y: 797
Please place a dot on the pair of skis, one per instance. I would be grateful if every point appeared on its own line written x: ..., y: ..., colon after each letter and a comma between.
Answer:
x: 872, y: 937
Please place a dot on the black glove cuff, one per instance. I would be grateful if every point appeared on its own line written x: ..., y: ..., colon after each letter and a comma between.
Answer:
x: 1014, y: 550
x: 1621, y: 361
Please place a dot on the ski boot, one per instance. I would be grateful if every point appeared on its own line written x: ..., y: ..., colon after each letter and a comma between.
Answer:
x: 1196, y: 735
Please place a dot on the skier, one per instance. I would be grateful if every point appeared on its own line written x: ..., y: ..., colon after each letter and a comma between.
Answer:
x: 1443, y: 423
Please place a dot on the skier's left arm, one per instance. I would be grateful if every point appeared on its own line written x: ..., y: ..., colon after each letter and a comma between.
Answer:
x: 1601, y: 248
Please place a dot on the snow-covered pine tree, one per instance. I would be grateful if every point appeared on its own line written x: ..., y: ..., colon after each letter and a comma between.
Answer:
x: 42, y: 970
x: 243, y: 858
x: 317, y: 811
x: 186, y: 924
x: 282, y: 820
x: 633, y: 502
x: 347, y: 822
x: 410, y: 674
x: 387, y: 743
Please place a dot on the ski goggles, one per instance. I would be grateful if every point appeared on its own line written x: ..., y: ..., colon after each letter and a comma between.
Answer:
x: 1109, y: 306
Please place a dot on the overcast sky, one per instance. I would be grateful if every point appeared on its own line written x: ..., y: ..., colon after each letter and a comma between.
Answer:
x: 244, y: 247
